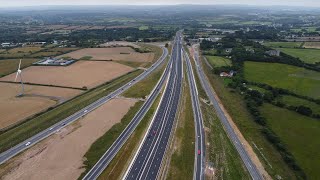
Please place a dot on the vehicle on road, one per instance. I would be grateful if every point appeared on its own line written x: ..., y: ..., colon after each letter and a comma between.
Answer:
x: 51, y: 128
x: 199, y: 152
x: 28, y: 143
x: 85, y: 111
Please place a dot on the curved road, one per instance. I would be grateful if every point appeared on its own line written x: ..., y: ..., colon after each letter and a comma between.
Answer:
x: 51, y: 130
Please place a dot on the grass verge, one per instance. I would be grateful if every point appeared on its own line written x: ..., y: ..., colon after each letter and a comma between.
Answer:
x: 220, y: 151
x: 182, y: 158
x: 45, y: 120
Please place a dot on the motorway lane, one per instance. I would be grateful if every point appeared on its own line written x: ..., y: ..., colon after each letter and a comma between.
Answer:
x: 255, y: 174
x: 124, y: 136
x: 147, y: 161
x: 56, y: 127
x: 199, y: 163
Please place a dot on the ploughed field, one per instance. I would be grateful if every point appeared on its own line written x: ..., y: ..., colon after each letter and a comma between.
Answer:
x: 14, y: 109
x: 113, y: 53
x: 80, y: 74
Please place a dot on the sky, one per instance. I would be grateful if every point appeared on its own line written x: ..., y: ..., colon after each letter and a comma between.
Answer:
x: 10, y: 3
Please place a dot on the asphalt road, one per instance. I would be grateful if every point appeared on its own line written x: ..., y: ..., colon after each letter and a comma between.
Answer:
x: 56, y: 127
x: 228, y: 128
x: 199, y: 163
x: 148, y: 159
x: 107, y: 157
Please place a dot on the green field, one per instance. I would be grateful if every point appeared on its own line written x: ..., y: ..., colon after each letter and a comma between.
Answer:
x: 299, y: 134
x: 296, y: 79
x: 236, y: 107
x: 308, y: 29
x: 218, y: 61
x: 294, y: 101
x: 141, y: 28
x: 283, y: 44
x: 307, y: 55
x: 9, y: 66
x: 45, y: 120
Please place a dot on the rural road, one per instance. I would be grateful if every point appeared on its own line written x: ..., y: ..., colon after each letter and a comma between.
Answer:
x: 199, y: 163
x: 255, y: 174
x: 107, y: 157
x: 148, y: 159
x: 51, y: 130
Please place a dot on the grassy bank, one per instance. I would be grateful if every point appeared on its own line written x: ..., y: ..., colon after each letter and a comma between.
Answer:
x: 45, y: 120
x: 236, y: 107
x: 182, y: 159
x: 220, y: 151
x: 122, y: 159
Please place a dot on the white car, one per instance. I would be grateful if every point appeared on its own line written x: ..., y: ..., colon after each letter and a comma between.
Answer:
x: 28, y: 143
x: 85, y: 111
x: 51, y: 129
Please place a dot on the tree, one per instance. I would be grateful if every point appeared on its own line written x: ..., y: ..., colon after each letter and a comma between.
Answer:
x: 304, y: 110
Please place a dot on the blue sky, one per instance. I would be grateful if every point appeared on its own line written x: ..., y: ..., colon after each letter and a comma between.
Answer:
x: 6, y: 3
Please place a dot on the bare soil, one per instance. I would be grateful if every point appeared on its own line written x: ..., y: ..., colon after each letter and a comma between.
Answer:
x: 61, y: 155
x: 79, y: 74
x: 115, y: 53
x: 14, y: 109
x: 119, y: 43
x: 314, y: 45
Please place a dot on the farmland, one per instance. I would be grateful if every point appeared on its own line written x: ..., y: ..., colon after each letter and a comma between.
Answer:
x: 294, y: 101
x: 79, y: 74
x: 117, y: 54
x: 218, y: 61
x: 307, y: 55
x: 8, y: 66
x: 283, y: 44
x: 312, y: 45
x: 34, y: 52
x: 298, y: 133
x: 29, y: 105
x: 63, y: 157
x: 296, y: 79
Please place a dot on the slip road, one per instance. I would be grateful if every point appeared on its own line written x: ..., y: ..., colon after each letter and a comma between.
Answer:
x: 199, y: 162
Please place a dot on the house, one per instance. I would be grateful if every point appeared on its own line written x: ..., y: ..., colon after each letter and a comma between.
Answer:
x: 273, y: 53
x: 225, y: 74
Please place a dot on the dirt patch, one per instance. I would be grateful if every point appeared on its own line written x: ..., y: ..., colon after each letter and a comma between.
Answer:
x: 26, y: 106
x: 61, y: 155
x: 115, y: 53
x: 119, y: 43
x: 314, y: 45
x: 79, y: 74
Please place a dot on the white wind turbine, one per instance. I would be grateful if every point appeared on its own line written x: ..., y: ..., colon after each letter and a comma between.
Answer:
x: 19, y: 72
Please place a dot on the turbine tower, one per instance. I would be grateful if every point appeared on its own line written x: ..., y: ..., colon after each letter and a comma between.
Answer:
x: 19, y: 73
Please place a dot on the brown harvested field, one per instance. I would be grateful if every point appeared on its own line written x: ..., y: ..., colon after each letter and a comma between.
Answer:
x: 119, y: 43
x: 314, y: 45
x: 54, y: 27
x: 11, y: 65
x: 61, y: 155
x: 25, y: 50
x: 79, y: 74
x: 13, y: 109
x: 117, y: 54
x: 2, y: 50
